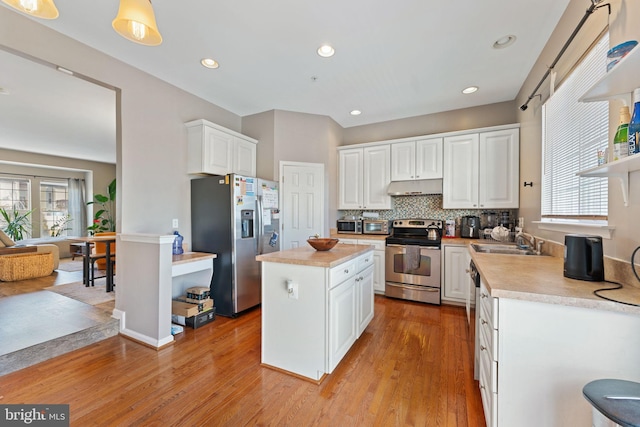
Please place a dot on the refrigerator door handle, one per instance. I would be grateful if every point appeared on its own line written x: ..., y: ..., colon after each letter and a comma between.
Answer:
x: 260, y: 225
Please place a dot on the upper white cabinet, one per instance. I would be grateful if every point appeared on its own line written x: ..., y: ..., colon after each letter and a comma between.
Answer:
x: 420, y: 159
x: 482, y: 170
x: 213, y: 149
x: 364, y: 175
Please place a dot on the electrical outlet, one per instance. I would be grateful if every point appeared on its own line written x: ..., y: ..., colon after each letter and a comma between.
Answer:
x: 175, y: 223
x: 294, y: 291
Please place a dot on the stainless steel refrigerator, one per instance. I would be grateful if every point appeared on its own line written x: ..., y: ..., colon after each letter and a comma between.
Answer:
x: 237, y: 218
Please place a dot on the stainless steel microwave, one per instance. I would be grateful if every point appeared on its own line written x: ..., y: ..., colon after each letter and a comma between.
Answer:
x: 376, y: 226
x: 351, y: 226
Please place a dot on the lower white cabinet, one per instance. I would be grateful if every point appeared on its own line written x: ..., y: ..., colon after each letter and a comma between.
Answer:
x: 535, y: 358
x: 342, y: 320
x: 309, y: 330
x: 456, y: 276
x: 364, y: 295
x: 378, y: 256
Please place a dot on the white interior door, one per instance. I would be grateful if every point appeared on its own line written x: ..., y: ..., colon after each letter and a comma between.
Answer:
x: 302, y: 190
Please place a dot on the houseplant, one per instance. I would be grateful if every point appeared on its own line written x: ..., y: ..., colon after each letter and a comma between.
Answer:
x: 103, y: 218
x: 17, y: 227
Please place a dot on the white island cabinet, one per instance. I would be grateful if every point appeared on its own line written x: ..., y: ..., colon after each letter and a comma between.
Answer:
x: 315, y: 305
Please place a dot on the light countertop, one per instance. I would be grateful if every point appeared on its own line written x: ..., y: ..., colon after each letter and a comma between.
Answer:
x: 306, y: 255
x: 192, y: 257
x: 541, y: 279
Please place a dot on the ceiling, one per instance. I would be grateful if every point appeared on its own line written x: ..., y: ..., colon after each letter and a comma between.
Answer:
x: 393, y: 59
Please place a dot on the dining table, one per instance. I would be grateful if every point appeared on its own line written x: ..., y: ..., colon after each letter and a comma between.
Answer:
x: 86, y: 264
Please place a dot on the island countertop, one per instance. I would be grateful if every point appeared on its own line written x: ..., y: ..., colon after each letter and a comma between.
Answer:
x: 308, y: 256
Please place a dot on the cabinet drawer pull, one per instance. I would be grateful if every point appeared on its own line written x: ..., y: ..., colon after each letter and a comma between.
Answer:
x: 484, y: 322
x: 482, y: 348
x: 346, y: 271
x: 483, y: 295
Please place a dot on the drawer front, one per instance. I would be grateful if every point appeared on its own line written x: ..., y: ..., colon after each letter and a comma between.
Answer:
x: 342, y: 272
x: 364, y: 261
x: 485, y: 344
x: 486, y: 301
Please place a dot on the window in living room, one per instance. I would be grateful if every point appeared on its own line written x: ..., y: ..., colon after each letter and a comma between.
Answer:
x: 15, y: 196
x: 54, y: 208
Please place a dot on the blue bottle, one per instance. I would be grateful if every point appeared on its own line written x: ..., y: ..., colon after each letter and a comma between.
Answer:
x: 177, y: 244
x: 634, y: 126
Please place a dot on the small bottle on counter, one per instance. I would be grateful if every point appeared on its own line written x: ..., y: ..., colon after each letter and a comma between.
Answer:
x: 621, y: 141
x: 634, y: 125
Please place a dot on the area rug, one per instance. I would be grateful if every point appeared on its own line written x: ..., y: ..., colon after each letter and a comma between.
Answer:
x: 92, y: 295
x: 70, y: 266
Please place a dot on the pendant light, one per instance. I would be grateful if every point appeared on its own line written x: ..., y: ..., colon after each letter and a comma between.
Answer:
x: 44, y: 9
x: 136, y: 21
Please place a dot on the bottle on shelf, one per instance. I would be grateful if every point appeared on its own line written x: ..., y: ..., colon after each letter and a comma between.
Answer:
x: 620, y: 141
x: 634, y: 125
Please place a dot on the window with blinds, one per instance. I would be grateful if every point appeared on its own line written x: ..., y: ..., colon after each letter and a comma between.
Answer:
x: 572, y: 134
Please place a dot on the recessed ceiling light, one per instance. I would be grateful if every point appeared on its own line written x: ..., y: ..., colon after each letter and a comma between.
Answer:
x: 64, y: 70
x: 470, y: 89
x: 326, y: 51
x: 4, y: 91
x: 503, y: 42
x: 355, y: 112
x: 209, y: 63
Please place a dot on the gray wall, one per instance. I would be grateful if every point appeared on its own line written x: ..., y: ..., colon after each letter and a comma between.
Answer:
x: 623, y: 26
x: 153, y: 186
x: 502, y: 113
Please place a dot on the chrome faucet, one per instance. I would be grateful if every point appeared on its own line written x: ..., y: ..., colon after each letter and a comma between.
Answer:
x: 526, y: 237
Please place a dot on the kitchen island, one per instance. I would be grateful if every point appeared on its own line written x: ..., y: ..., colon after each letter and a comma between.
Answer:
x: 315, y: 305
x: 542, y: 337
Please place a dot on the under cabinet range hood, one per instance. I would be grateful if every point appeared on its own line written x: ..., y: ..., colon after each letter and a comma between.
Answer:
x: 415, y: 188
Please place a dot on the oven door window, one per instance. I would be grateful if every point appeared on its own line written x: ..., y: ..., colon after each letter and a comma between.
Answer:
x: 372, y: 227
x: 412, y: 262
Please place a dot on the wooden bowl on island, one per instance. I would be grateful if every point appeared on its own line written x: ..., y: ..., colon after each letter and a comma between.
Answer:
x: 322, y: 244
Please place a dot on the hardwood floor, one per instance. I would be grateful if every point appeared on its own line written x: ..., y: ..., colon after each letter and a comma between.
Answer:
x: 412, y: 366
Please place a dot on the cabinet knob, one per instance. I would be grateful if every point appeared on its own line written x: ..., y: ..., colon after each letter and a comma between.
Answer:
x: 417, y: 176
x: 346, y: 271
x: 483, y: 295
x: 483, y: 348
x: 484, y: 322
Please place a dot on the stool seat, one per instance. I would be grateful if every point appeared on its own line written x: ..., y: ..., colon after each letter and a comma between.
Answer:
x: 618, y: 400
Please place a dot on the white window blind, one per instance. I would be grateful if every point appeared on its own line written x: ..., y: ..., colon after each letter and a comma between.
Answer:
x: 572, y: 134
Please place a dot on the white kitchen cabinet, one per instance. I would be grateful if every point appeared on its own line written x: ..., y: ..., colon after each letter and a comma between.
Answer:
x: 487, y: 340
x: 364, y: 175
x: 378, y: 257
x: 364, y: 295
x: 342, y: 320
x: 456, y: 276
x: 309, y: 331
x: 420, y: 159
x: 482, y: 170
x: 215, y: 150
x: 535, y: 358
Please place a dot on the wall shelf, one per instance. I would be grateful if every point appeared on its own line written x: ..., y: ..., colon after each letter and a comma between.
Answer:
x: 619, y: 82
x: 619, y: 169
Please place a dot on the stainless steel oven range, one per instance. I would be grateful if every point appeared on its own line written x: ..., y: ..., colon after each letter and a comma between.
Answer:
x: 412, y: 260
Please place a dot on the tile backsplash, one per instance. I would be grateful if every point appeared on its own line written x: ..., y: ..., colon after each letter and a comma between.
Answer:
x: 428, y: 207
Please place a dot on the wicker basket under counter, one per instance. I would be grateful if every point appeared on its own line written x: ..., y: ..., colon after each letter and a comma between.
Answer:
x: 25, y: 266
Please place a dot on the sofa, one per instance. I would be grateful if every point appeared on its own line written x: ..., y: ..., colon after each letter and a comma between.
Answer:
x: 52, y: 248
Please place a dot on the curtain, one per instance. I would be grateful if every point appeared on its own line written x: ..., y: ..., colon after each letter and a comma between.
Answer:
x: 77, y: 208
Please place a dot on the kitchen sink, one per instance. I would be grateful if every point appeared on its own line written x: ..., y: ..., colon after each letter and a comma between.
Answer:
x: 492, y: 248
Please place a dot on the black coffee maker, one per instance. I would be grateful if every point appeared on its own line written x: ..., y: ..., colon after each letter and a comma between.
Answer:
x: 583, y: 257
x: 470, y: 227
